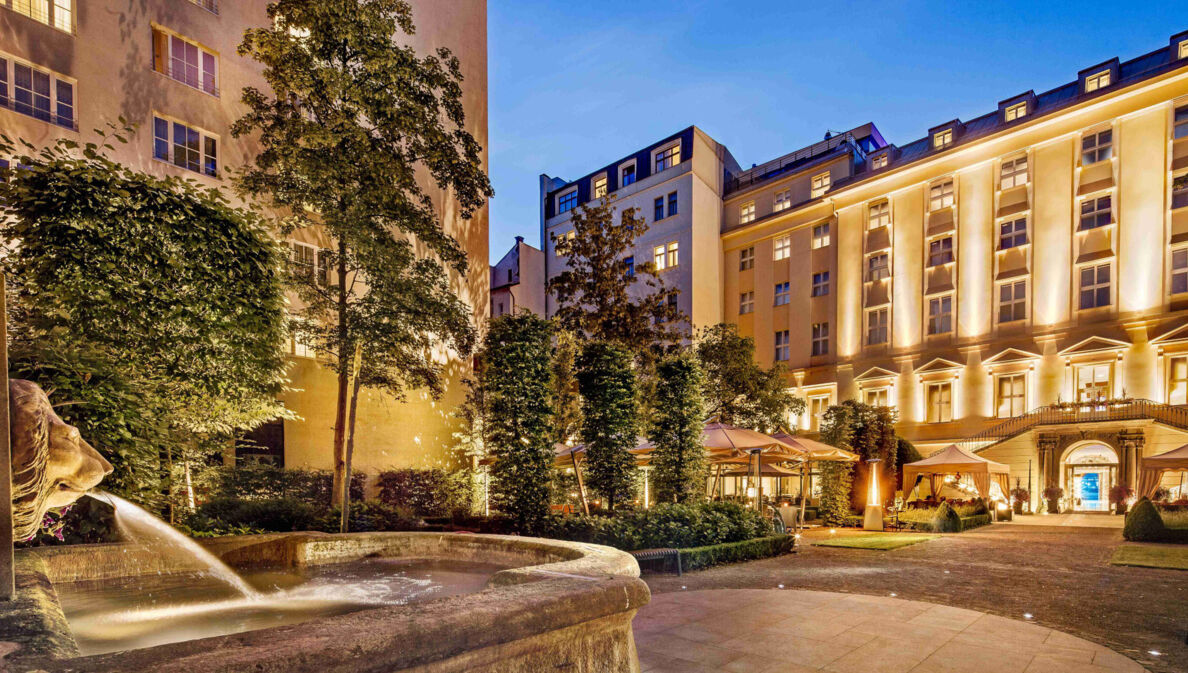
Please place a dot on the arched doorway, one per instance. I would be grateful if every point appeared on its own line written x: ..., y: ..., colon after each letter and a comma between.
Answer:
x: 1090, y: 470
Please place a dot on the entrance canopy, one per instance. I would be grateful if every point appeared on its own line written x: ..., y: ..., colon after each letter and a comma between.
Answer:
x: 1151, y: 469
x: 955, y: 460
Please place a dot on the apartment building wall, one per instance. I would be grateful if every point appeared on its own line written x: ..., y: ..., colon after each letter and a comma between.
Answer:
x: 696, y: 180
x: 108, y: 55
x: 517, y: 281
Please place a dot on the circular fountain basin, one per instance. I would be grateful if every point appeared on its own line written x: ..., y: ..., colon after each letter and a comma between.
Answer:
x: 356, y: 602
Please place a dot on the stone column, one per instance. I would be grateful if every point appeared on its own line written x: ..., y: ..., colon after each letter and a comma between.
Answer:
x: 1132, y: 442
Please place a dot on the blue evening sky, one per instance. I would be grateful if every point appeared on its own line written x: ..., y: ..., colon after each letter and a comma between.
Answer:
x: 576, y: 84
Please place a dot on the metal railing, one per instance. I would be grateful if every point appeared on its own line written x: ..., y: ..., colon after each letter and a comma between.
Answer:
x: 779, y: 165
x: 1069, y: 413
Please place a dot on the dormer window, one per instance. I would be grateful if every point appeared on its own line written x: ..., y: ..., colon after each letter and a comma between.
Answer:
x: 599, y: 187
x: 567, y: 202
x: 942, y: 139
x: 820, y: 184
x: 1183, y: 49
x: 1016, y: 111
x: 878, y: 162
x: 1098, y: 80
x: 667, y: 158
x: 628, y: 175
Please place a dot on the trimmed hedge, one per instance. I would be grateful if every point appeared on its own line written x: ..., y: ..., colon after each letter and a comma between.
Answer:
x: 966, y: 523
x: 733, y: 552
x: 665, y: 525
x: 1144, y: 524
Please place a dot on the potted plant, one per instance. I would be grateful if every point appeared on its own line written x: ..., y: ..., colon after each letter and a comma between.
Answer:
x: 1053, y: 494
x: 1119, y: 494
x: 1019, y: 495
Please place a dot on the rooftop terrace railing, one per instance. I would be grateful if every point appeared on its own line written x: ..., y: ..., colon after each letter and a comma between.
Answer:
x: 1073, y: 413
x: 780, y: 165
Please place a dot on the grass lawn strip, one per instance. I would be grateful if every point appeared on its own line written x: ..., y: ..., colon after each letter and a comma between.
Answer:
x: 1174, y: 557
x: 879, y: 541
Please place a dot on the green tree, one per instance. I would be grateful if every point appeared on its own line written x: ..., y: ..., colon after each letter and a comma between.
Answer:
x: 518, y: 381
x: 610, y: 419
x: 678, y: 461
x: 356, y: 127
x: 870, y: 432
x: 597, y: 294
x: 567, y: 401
x: 836, y: 481
x: 150, y: 307
x: 738, y: 391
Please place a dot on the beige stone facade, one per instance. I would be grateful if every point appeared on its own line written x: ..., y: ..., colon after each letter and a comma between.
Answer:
x: 171, y: 67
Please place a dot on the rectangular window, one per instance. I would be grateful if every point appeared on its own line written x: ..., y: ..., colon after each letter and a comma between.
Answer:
x: 673, y: 254
x: 877, y: 397
x: 1097, y: 147
x: 658, y: 208
x: 1016, y: 111
x: 1183, y: 49
x: 629, y: 262
x: 1012, y: 234
x: 879, y: 162
x: 659, y: 258
x: 1011, y: 392
x: 628, y: 175
x: 939, y: 399
x: 940, y: 195
x: 820, y: 184
x: 783, y: 293
x: 1095, y: 286
x: 668, y: 158
x: 820, y: 235
x: 568, y: 236
x: 1013, y: 173
x: 301, y: 341
x: 56, y: 13
x: 783, y: 248
x: 672, y: 204
x: 211, y: 6
x: 818, y: 405
x: 1097, y: 81
x: 878, y: 215
x: 1179, y: 271
x: 305, y: 259
x: 876, y: 326
x: 600, y: 187
x: 821, y: 284
x: 37, y: 93
x: 185, y: 62
x: 1093, y: 382
x: 747, y: 212
x: 1180, y: 123
x: 878, y: 266
x: 567, y: 202
x: 820, y: 339
x: 1012, y: 301
x: 1096, y: 212
x: 185, y: 147
x: 783, y: 200
x: 782, y: 345
x: 940, y: 314
x: 942, y: 138
x: 1177, y: 380
x: 940, y: 251
x: 746, y: 303
x: 746, y: 258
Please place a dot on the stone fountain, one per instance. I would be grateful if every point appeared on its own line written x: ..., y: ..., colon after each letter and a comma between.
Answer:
x: 552, y: 606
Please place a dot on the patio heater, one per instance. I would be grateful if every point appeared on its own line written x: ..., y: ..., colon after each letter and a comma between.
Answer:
x: 874, y: 506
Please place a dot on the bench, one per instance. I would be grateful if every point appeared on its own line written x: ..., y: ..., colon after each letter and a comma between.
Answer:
x: 661, y: 554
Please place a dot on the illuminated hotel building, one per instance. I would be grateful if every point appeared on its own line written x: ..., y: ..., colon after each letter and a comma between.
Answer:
x: 1016, y: 283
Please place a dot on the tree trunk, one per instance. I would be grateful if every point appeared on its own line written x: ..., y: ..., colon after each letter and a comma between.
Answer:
x: 345, y: 519
x: 340, y: 407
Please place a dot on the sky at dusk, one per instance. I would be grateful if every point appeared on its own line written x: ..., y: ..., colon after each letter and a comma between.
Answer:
x: 575, y: 85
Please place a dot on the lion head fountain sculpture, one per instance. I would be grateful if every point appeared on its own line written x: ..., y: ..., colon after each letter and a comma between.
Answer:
x: 52, y: 465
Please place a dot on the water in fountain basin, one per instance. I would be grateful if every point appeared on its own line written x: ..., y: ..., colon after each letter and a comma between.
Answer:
x: 137, y: 525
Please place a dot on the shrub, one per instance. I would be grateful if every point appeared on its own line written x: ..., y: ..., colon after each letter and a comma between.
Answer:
x: 1143, y: 523
x: 272, y: 514
x: 373, y: 516
x: 431, y: 492
x: 946, y: 519
x: 836, y: 479
x: 268, y: 482
x: 732, y: 552
x: 666, y: 525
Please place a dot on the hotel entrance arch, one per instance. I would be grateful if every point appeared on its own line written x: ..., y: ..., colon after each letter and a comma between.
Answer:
x: 1090, y: 469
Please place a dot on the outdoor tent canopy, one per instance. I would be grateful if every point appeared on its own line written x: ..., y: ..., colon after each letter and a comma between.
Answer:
x: 1151, y: 469
x: 953, y: 460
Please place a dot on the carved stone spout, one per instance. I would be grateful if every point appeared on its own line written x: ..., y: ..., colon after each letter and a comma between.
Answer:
x: 52, y: 465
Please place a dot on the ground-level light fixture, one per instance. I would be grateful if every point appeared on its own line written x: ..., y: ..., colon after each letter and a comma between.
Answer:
x: 874, y: 507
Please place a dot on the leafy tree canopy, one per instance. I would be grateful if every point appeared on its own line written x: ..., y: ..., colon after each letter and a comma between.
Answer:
x: 676, y: 429
x: 610, y: 419
x: 737, y: 390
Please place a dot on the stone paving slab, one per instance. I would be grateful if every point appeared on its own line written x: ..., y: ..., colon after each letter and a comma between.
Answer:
x: 793, y: 631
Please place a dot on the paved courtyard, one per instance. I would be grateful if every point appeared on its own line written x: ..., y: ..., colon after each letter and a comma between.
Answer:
x: 790, y: 631
x: 1057, y: 574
